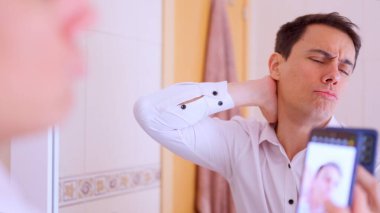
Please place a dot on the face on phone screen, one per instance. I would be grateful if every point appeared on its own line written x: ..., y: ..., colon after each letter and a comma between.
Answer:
x: 328, y: 175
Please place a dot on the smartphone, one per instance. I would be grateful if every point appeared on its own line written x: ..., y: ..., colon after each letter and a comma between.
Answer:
x: 365, y: 140
x: 330, y: 166
x: 367, y: 148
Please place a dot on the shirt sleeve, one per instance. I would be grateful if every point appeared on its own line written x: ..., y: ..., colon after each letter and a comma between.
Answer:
x: 178, y: 118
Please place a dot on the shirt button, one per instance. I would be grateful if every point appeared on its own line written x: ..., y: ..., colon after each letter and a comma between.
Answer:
x: 220, y: 103
x: 289, y: 166
x: 183, y: 106
x: 291, y: 201
x: 215, y: 93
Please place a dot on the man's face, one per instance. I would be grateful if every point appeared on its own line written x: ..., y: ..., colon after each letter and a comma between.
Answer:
x: 311, y: 80
x: 325, y: 182
x: 39, y: 61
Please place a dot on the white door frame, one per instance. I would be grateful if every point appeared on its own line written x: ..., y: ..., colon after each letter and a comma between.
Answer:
x: 34, y: 166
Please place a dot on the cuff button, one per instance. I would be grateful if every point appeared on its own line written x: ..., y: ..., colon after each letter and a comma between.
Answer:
x: 183, y: 106
x: 291, y: 201
x: 215, y: 93
x: 220, y: 103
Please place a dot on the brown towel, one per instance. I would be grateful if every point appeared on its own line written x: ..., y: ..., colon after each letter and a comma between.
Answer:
x: 213, y: 193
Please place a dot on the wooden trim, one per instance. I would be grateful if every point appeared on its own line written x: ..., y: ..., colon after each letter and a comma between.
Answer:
x: 167, y: 157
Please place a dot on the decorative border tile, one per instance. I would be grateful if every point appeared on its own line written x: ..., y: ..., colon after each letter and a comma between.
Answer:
x: 83, y: 188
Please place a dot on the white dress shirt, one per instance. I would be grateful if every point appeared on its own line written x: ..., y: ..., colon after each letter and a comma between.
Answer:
x: 244, y: 151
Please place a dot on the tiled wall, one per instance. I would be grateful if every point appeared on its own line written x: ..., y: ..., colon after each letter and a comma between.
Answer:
x: 359, y: 106
x: 107, y: 163
x: 100, y: 185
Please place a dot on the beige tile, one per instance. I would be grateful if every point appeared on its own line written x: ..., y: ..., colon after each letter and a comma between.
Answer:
x: 74, y: 209
x: 72, y: 130
x: 133, y: 202
x: 118, y: 77
x: 132, y: 19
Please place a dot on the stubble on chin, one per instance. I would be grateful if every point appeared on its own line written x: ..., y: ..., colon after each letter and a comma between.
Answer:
x: 324, y: 108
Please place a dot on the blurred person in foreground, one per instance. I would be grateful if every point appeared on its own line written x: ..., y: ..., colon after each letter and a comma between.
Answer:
x: 39, y: 63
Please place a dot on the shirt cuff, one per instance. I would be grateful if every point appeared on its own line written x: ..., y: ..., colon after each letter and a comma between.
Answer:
x: 216, y: 96
x: 178, y: 110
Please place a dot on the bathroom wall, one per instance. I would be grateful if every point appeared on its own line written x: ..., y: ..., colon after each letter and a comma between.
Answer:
x: 107, y: 163
x: 360, y: 104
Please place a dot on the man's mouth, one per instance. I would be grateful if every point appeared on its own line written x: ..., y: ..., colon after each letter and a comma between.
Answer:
x: 331, y: 95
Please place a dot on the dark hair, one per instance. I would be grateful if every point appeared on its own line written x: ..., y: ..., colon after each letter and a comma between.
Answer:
x: 329, y: 164
x: 291, y: 32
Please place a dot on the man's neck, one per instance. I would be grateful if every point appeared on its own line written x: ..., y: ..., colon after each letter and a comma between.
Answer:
x: 293, y: 130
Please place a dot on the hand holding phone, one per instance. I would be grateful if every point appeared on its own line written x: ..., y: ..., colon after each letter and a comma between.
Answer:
x: 330, y: 166
x: 366, y: 197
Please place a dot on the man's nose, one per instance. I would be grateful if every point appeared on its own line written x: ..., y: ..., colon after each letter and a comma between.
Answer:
x: 332, y: 74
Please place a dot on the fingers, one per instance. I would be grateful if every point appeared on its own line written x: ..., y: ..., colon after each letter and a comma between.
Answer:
x: 365, y: 179
x: 331, y: 208
x: 360, y: 204
x: 269, y: 106
x: 369, y: 189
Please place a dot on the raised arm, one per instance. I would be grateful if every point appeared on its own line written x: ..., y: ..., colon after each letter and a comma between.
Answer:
x: 178, y: 118
x: 261, y: 93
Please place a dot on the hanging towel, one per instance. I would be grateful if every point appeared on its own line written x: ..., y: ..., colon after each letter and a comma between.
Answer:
x: 213, y: 193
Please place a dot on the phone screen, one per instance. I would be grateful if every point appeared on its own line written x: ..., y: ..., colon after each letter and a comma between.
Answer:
x: 328, y: 172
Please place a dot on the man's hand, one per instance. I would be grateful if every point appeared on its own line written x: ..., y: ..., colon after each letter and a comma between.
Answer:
x: 366, y: 198
x: 268, y: 104
x: 261, y: 93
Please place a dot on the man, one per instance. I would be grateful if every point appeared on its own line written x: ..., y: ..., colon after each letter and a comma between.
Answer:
x: 320, y: 189
x: 39, y: 62
x: 314, y: 58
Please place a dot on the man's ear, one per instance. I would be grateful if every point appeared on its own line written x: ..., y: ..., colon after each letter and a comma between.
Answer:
x: 274, y: 63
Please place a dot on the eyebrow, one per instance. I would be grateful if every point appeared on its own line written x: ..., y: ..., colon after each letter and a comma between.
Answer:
x: 330, y: 56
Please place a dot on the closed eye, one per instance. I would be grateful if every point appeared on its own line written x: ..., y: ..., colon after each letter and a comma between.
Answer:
x: 344, y: 72
x: 317, y: 60
x: 345, y: 69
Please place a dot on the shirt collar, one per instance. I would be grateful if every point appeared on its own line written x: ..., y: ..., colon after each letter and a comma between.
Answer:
x: 334, y: 123
x: 268, y: 133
